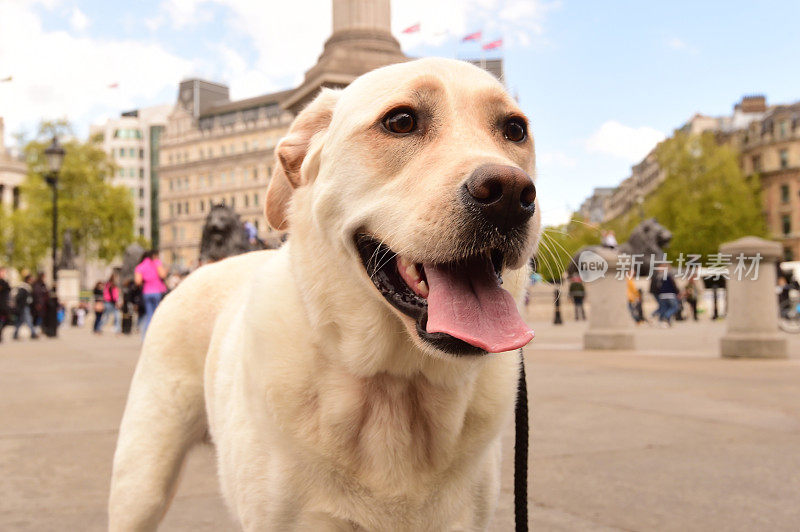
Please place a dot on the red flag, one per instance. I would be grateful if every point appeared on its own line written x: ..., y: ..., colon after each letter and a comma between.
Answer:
x: 113, y: 86
x: 412, y: 29
x: 494, y: 44
x: 472, y: 37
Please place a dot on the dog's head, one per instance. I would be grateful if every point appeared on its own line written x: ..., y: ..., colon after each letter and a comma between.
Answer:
x: 421, y: 174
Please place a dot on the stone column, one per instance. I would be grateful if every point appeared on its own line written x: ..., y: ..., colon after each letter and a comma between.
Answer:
x: 752, y: 312
x: 69, y: 289
x: 610, y: 323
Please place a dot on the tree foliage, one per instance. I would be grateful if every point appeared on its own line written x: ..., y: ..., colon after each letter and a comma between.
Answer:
x: 705, y: 199
x: 98, y: 213
x: 559, y: 244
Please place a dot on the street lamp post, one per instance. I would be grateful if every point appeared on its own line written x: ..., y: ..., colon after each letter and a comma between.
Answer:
x: 55, y: 158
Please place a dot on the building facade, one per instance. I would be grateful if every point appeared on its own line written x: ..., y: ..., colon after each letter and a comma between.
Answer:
x: 132, y: 141
x: 218, y: 151
x: 773, y: 154
x: 594, y: 207
x: 770, y: 147
x: 12, y: 173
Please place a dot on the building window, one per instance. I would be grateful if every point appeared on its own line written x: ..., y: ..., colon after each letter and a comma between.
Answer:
x: 255, y: 198
x: 180, y: 207
x: 222, y: 150
x: 186, y: 207
x: 121, y: 172
x: 171, y: 210
x: 756, y: 163
x: 255, y: 223
x: 255, y: 173
x: 141, y: 153
x: 141, y: 231
x: 783, y: 128
x: 131, y: 172
x: 141, y: 173
x: 788, y: 254
x: 246, y: 200
x: 202, y: 206
x: 141, y: 212
x: 786, y: 223
x: 122, y: 152
x: 141, y: 192
x: 233, y: 202
x: 784, y: 193
x: 784, y: 156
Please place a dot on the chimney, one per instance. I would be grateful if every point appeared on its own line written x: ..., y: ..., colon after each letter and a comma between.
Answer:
x: 755, y: 103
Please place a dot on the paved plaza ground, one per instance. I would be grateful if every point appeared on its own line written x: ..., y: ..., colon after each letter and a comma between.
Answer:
x: 667, y: 437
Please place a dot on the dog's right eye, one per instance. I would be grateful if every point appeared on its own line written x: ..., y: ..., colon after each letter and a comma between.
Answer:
x: 400, y: 121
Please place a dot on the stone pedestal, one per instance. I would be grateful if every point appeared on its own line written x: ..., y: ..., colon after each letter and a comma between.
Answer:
x: 610, y: 324
x: 69, y: 288
x: 752, y: 316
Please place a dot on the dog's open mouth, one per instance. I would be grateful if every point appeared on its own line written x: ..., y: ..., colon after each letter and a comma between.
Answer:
x: 459, y: 307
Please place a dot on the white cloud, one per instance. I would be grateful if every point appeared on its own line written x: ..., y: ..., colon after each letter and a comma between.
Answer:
x: 514, y: 21
x: 622, y: 141
x: 289, y: 36
x: 56, y: 74
x: 78, y: 20
x: 680, y: 45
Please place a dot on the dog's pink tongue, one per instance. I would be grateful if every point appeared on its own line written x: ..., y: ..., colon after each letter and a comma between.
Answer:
x: 468, y: 303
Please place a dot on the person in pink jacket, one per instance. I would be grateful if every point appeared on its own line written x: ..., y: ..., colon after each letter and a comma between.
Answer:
x: 112, y: 301
x: 150, y: 275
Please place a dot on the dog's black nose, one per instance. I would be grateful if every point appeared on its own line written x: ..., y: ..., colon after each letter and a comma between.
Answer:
x: 503, y: 195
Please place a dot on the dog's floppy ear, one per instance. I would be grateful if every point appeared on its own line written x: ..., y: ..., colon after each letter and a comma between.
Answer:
x: 291, y: 152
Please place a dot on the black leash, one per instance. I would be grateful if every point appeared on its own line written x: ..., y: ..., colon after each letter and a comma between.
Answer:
x: 521, y: 451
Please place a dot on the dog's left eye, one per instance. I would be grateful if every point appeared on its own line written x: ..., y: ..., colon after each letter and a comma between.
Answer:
x: 400, y: 121
x: 515, y: 130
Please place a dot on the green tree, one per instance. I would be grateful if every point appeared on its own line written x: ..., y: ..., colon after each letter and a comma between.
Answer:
x: 559, y: 244
x: 705, y: 199
x: 98, y: 213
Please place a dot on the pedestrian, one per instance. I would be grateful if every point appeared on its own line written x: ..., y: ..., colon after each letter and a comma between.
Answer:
x: 609, y: 240
x: 111, y: 302
x: 40, y: 295
x: 5, y: 296
x: 656, y: 276
x: 23, y: 301
x: 150, y: 275
x: 690, y: 293
x: 667, y: 298
x: 577, y: 293
x: 634, y: 299
x: 99, y: 306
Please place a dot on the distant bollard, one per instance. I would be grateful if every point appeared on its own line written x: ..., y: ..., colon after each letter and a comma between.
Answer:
x: 752, y: 312
x: 610, y: 324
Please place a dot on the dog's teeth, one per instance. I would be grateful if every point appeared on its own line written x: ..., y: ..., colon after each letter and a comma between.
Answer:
x: 412, y: 272
x: 422, y: 286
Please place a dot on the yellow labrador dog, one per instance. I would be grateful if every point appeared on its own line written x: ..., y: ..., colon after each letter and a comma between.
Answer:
x: 360, y: 377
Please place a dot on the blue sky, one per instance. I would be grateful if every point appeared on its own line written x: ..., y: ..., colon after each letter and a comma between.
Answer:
x: 601, y: 81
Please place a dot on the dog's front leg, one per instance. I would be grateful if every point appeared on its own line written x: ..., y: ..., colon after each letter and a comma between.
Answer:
x: 164, y: 417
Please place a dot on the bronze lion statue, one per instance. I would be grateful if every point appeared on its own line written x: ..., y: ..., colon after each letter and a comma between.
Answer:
x: 223, y: 235
x: 647, y: 241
